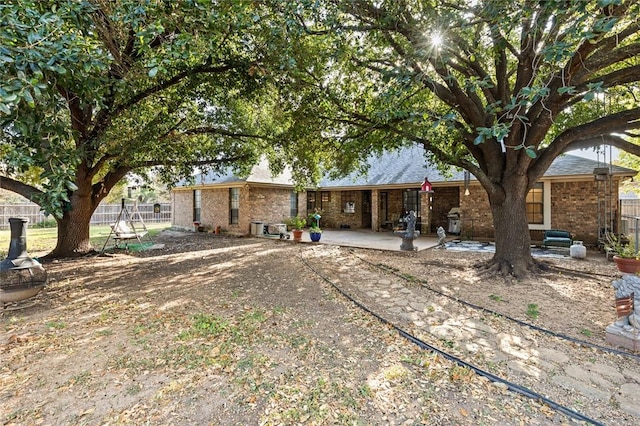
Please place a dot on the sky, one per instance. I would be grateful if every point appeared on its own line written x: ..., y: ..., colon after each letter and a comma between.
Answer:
x: 593, y: 155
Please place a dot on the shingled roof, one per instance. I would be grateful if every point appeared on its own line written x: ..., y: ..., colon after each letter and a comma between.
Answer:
x: 405, y: 166
x: 408, y: 166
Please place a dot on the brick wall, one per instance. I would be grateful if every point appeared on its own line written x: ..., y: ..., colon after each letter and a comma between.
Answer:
x: 477, y: 220
x: 574, y: 207
x: 444, y: 199
x: 182, y: 209
x: 271, y: 205
x: 394, y: 201
x: 215, y: 208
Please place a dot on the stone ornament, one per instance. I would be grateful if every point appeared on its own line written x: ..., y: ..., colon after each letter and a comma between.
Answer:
x: 625, y: 331
x: 410, y: 233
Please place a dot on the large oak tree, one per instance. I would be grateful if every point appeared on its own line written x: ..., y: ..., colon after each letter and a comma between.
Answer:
x: 499, y: 88
x: 92, y: 90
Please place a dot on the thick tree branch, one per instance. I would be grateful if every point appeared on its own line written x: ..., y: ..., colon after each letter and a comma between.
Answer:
x: 196, y: 163
x: 222, y: 132
x: 27, y: 191
x: 176, y: 79
x: 573, y: 138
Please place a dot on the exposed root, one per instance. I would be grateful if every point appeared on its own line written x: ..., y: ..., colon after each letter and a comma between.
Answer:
x: 67, y: 255
x: 510, y: 272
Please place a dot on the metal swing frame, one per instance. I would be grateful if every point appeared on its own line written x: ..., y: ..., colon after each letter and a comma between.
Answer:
x: 124, y: 229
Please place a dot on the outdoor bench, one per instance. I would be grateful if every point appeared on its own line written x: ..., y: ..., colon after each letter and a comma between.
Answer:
x: 557, y: 238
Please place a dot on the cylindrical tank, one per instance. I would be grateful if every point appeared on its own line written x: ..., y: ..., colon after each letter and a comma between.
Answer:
x: 577, y: 250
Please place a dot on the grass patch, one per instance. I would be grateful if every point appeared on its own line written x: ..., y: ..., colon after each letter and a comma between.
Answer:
x: 532, y: 311
x: 45, y: 239
x: 58, y: 325
x: 461, y: 374
x: 496, y: 298
x: 395, y: 372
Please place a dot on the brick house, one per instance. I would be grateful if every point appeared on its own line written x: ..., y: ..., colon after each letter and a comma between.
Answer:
x: 575, y: 194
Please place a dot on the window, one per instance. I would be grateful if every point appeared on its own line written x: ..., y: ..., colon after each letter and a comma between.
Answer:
x: 411, y: 201
x: 311, y: 201
x: 234, y: 205
x: 349, y: 201
x: 535, y: 204
x: 197, y: 204
x: 293, y: 204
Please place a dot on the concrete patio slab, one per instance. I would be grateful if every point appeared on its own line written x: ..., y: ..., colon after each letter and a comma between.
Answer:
x: 362, y: 238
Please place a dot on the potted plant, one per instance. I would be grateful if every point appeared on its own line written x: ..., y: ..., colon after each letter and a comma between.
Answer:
x: 625, y: 254
x: 297, y: 223
x: 314, y: 231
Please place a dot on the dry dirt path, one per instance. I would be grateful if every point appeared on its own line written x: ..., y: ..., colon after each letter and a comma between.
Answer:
x: 601, y: 385
x: 224, y: 331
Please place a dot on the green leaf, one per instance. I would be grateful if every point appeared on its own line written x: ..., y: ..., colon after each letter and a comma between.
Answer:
x: 567, y: 89
x: 10, y: 98
x: 28, y: 98
x: 530, y: 152
x: 153, y: 71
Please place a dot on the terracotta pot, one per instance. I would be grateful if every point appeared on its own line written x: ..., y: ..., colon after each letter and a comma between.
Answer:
x: 629, y: 266
x: 297, y: 234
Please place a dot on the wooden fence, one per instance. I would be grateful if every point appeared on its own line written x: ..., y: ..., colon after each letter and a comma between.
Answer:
x: 630, y: 216
x: 105, y: 214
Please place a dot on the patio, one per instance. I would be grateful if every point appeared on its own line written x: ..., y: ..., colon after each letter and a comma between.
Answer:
x: 363, y: 238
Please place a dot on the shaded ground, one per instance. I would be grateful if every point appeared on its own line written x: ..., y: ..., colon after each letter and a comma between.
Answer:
x: 213, y: 330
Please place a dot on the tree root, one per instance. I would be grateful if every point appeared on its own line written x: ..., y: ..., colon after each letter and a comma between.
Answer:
x: 72, y: 255
x: 511, y: 273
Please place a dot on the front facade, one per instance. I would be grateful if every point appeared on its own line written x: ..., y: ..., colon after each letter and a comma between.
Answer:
x: 574, y: 195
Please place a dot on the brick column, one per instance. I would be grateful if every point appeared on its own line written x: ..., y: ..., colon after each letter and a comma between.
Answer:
x: 425, y: 211
x: 375, y: 210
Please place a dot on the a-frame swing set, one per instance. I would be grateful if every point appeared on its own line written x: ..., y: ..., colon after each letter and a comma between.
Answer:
x: 125, y: 229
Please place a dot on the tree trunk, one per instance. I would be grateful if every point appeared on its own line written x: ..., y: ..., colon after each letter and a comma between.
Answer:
x: 512, y: 238
x: 73, y: 229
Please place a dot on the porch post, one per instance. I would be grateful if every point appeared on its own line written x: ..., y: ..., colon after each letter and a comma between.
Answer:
x: 375, y: 210
x: 425, y: 211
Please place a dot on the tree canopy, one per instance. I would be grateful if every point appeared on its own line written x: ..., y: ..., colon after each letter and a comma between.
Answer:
x: 114, y: 86
x: 499, y: 88
x: 91, y: 90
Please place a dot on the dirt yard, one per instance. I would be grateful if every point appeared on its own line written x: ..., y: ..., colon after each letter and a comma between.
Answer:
x: 230, y: 331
